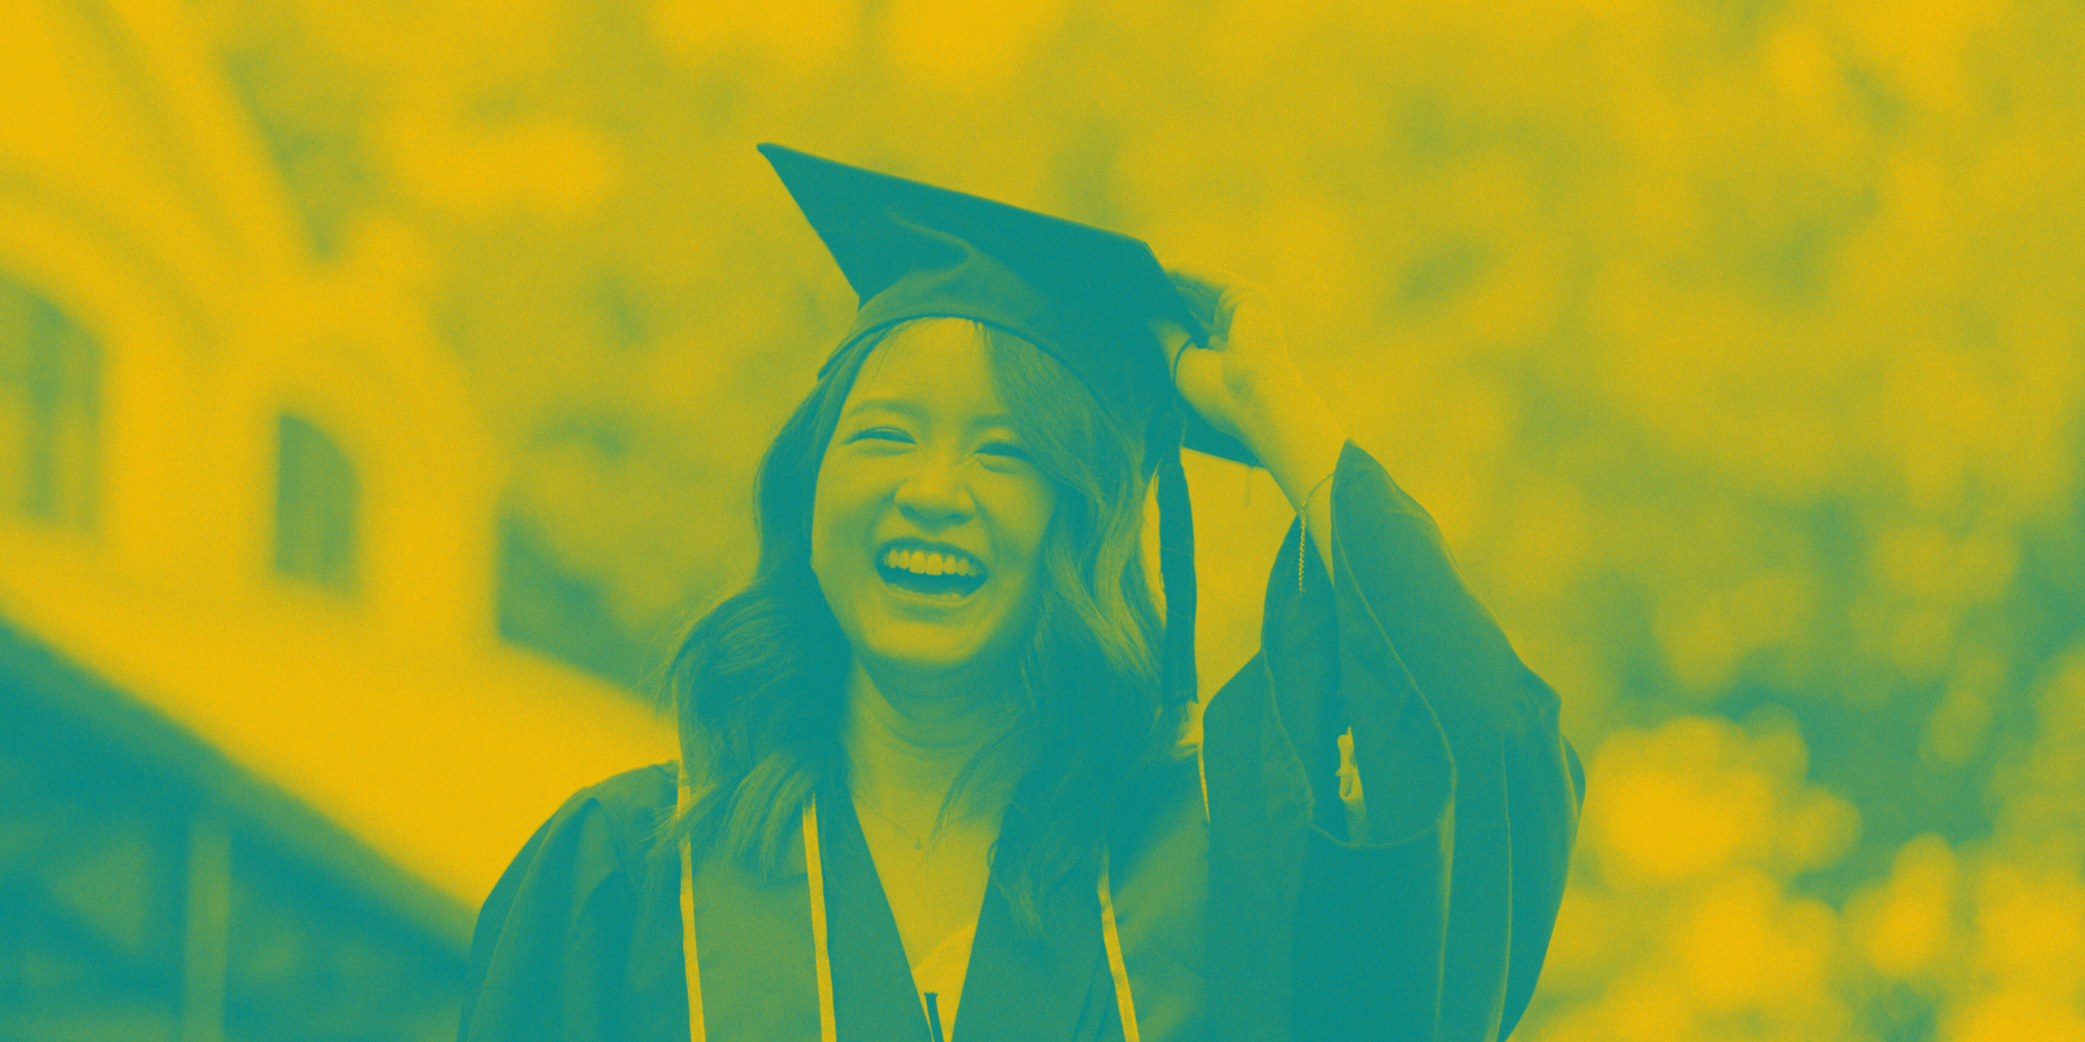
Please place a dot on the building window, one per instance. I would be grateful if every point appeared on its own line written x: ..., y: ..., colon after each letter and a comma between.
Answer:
x: 50, y: 405
x: 315, y: 493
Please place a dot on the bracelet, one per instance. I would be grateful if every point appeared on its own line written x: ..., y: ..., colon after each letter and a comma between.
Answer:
x: 1304, y: 517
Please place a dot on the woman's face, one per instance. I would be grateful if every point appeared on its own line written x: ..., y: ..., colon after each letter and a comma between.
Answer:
x: 928, y: 519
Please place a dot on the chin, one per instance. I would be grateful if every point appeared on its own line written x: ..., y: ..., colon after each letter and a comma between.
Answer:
x: 922, y: 663
x: 921, y: 660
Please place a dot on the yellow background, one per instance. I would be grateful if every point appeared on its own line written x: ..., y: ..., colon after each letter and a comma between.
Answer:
x: 1735, y: 346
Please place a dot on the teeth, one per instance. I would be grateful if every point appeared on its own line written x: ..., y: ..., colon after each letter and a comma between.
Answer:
x: 920, y: 562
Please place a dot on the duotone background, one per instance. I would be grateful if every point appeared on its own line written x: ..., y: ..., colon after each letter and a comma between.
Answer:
x: 381, y: 383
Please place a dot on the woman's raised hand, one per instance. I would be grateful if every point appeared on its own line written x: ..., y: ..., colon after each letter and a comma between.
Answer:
x: 1247, y: 358
x: 1244, y: 384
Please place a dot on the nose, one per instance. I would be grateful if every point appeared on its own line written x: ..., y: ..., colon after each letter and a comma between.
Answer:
x: 938, y: 493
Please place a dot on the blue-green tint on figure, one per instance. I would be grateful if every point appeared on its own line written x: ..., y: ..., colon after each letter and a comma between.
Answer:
x: 1083, y: 294
x: 1086, y: 295
x: 1229, y: 904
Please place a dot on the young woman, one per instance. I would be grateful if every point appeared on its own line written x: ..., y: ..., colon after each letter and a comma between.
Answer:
x: 932, y: 783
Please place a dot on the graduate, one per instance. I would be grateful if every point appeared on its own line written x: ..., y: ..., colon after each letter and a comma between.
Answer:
x: 933, y: 782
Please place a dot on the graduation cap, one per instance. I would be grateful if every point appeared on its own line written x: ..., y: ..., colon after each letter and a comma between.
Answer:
x: 1083, y: 294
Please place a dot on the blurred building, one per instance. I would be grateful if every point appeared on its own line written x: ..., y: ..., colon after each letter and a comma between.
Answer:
x: 262, y: 749
x: 155, y: 890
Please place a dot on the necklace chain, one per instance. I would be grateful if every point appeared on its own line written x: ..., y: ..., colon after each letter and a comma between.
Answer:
x: 917, y: 842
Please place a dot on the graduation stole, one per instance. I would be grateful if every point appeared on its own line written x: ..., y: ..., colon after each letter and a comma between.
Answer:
x: 812, y: 958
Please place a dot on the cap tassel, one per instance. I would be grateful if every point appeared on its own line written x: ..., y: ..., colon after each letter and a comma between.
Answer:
x: 1176, y: 569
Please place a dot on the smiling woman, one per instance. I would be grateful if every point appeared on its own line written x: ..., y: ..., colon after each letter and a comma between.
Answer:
x: 973, y: 537
x: 931, y: 756
x: 925, y: 469
x: 955, y: 436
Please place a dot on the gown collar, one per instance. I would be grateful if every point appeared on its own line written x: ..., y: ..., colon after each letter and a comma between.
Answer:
x: 1016, y: 989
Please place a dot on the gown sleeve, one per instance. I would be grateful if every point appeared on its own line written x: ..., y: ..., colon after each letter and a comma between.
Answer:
x: 1433, y: 925
x: 569, y: 945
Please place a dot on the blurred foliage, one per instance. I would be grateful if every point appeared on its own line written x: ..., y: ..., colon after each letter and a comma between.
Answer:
x: 1736, y: 347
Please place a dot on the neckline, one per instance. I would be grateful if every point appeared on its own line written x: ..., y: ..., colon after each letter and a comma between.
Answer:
x: 1015, y: 988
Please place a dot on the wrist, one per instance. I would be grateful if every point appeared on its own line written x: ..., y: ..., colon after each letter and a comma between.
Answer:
x: 1292, y: 431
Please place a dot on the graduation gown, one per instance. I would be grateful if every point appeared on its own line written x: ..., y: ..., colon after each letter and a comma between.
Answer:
x: 1245, y: 914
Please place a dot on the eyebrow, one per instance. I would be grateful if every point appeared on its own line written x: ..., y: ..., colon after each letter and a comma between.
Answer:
x: 909, y: 408
x: 886, y: 403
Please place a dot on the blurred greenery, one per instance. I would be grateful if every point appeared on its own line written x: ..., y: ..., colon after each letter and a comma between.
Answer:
x: 1736, y: 347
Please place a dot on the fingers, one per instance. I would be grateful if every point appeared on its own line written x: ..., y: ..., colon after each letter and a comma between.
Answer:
x: 1199, y: 276
x: 1171, y: 336
x: 1204, y: 301
x: 1200, y: 285
x: 1212, y: 293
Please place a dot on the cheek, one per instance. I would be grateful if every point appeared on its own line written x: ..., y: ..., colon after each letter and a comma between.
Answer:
x: 1029, y: 523
x: 830, y: 513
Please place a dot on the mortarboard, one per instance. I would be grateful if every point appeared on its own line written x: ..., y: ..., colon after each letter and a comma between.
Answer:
x: 1083, y: 294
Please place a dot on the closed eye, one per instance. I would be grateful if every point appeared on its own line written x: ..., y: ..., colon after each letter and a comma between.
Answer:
x: 1004, y: 457
x: 881, y: 434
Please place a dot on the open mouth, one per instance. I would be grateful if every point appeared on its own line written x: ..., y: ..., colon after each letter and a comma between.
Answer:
x: 933, y: 571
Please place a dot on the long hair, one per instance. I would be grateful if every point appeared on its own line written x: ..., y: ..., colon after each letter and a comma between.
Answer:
x: 758, y: 683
